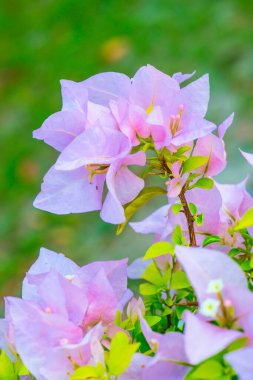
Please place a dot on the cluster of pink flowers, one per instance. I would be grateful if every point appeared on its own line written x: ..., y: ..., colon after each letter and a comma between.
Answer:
x: 194, y: 316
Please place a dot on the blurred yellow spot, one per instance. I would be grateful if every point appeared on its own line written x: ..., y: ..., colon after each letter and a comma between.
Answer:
x: 150, y: 108
x: 115, y: 49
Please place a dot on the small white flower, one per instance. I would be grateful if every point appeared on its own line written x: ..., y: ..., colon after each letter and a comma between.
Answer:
x: 209, y: 307
x: 70, y: 277
x: 215, y: 286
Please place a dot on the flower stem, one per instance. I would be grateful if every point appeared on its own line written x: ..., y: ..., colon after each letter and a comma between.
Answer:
x: 186, y: 210
x: 189, y: 218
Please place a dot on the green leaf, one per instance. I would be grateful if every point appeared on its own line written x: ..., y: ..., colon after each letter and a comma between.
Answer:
x: 211, y: 239
x: 153, y: 275
x: 246, y: 221
x: 199, y: 219
x: 203, y: 183
x: 210, y: 369
x: 177, y: 236
x: 88, y: 372
x: 7, y: 370
x: 131, y: 208
x: 179, y: 281
x: 234, y: 251
x: 182, y: 150
x: 194, y: 163
x: 152, y: 319
x: 176, y: 208
x: 237, y: 344
x: 148, y: 289
x: 120, y: 354
x: 193, y: 208
x: 159, y: 249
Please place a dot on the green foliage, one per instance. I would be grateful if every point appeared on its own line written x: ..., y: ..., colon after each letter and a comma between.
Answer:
x: 211, y: 239
x: 211, y: 369
x: 179, y: 281
x: 193, y: 208
x: 199, y: 219
x: 120, y: 354
x: 203, y: 183
x: 159, y: 249
x: 177, y: 236
x: 9, y: 370
x: 176, y: 208
x: 89, y: 372
x: 131, y: 208
x: 194, y: 163
x: 246, y: 221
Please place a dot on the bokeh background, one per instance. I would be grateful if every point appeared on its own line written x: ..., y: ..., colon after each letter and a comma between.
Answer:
x: 44, y: 41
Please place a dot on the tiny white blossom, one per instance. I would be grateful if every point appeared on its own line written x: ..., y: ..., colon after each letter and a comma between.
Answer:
x: 70, y: 277
x: 215, y: 286
x: 209, y: 307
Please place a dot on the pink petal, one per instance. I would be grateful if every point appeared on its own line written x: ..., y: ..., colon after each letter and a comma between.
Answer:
x: 248, y: 156
x: 242, y: 362
x: 195, y: 96
x: 213, y: 148
x: 61, y: 128
x: 222, y: 128
x: 96, y: 145
x: 203, y: 265
x: 203, y: 340
x: 65, y: 192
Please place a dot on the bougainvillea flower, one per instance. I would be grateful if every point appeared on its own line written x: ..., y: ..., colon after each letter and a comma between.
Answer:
x: 235, y: 198
x: 100, y: 286
x: 204, y: 265
x: 48, y: 345
x: 36, y: 331
x: 211, y: 339
x: 181, y: 119
x: 168, y: 348
x: 96, y: 155
x: 82, y: 353
x: 64, y: 303
x: 248, y: 157
x: 205, y: 270
x: 213, y: 148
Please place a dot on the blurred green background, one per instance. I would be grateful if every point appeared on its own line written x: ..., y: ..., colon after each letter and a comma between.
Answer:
x: 44, y: 41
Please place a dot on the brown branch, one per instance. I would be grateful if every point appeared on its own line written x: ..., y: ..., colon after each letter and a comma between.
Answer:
x: 189, y: 218
x: 186, y: 304
x: 187, y: 212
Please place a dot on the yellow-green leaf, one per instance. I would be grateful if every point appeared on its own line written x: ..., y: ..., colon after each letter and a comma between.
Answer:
x: 88, y: 372
x: 120, y: 354
x: 159, y: 249
x: 194, y: 163
x: 246, y: 221
x: 179, y: 281
x: 145, y: 195
x: 7, y: 370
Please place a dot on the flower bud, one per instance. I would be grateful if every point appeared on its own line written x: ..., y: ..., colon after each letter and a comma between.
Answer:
x: 135, y: 306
